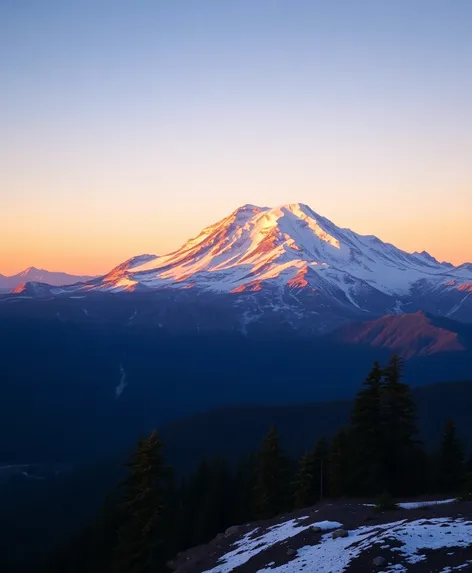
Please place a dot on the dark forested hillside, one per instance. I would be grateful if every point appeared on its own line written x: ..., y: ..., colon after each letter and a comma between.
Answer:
x: 232, y: 431
x: 377, y: 454
x: 33, y: 508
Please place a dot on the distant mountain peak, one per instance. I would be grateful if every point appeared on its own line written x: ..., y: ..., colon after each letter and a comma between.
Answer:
x: 28, y: 271
x: 33, y: 274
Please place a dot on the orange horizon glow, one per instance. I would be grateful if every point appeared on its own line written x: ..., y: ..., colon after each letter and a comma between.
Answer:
x: 128, y: 127
x: 99, y: 252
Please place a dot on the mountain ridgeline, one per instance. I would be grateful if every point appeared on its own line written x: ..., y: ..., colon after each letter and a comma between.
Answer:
x: 286, y: 268
x: 19, y: 281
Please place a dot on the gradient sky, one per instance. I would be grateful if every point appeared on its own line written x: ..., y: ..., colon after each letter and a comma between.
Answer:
x: 128, y: 125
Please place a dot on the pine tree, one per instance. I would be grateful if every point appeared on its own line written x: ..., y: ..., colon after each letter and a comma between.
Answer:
x: 304, y: 483
x: 320, y: 468
x: 272, y: 481
x: 96, y: 549
x: 340, y: 464
x: 192, y: 492
x: 367, y: 435
x: 399, y: 429
x: 245, y: 484
x: 467, y: 489
x: 147, y: 493
x: 468, y: 465
x: 451, y: 460
x: 215, y: 505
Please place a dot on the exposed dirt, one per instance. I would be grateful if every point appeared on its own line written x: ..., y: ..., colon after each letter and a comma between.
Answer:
x: 352, y: 515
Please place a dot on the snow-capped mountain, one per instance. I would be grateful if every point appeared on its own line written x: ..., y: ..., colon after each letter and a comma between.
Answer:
x: 294, y: 260
x: 33, y: 274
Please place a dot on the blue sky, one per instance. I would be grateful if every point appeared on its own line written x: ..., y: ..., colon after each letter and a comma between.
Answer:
x: 129, y: 125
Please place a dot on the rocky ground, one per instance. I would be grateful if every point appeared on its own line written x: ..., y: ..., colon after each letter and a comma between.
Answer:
x: 352, y: 537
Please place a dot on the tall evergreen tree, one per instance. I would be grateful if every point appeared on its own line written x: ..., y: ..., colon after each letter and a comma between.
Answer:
x: 468, y: 465
x: 193, y: 491
x: 399, y: 428
x: 368, y: 435
x: 320, y: 467
x: 245, y: 484
x: 467, y: 489
x: 304, y: 483
x: 215, y: 507
x: 451, y: 460
x: 143, y: 539
x: 272, y: 493
x: 340, y: 464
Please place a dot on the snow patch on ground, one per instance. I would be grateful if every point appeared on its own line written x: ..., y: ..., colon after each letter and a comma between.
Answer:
x: 457, y: 567
x: 252, y: 543
x: 335, y: 555
x: 431, y: 534
x: 418, y: 504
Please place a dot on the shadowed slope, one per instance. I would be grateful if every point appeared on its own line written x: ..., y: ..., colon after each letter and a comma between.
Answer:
x: 408, y: 335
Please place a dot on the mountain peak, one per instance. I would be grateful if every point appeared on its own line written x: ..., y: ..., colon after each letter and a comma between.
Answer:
x: 293, y: 251
x: 33, y: 274
x: 297, y: 208
x: 246, y: 212
x: 28, y: 271
x: 268, y: 246
x: 250, y: 207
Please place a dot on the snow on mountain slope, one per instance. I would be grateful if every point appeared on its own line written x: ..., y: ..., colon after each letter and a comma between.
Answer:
x: 289, y: 245
x: 291, y: 251
x: 33, y: 274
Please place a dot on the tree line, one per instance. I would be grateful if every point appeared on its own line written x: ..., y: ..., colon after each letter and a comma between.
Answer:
x: 152, y: 515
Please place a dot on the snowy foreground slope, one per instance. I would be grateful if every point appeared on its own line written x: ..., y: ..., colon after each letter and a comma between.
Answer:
x: 291, y: 258
x: 419, y: 537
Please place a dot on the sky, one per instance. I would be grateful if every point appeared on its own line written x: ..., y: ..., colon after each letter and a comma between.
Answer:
x: 128, y: 126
